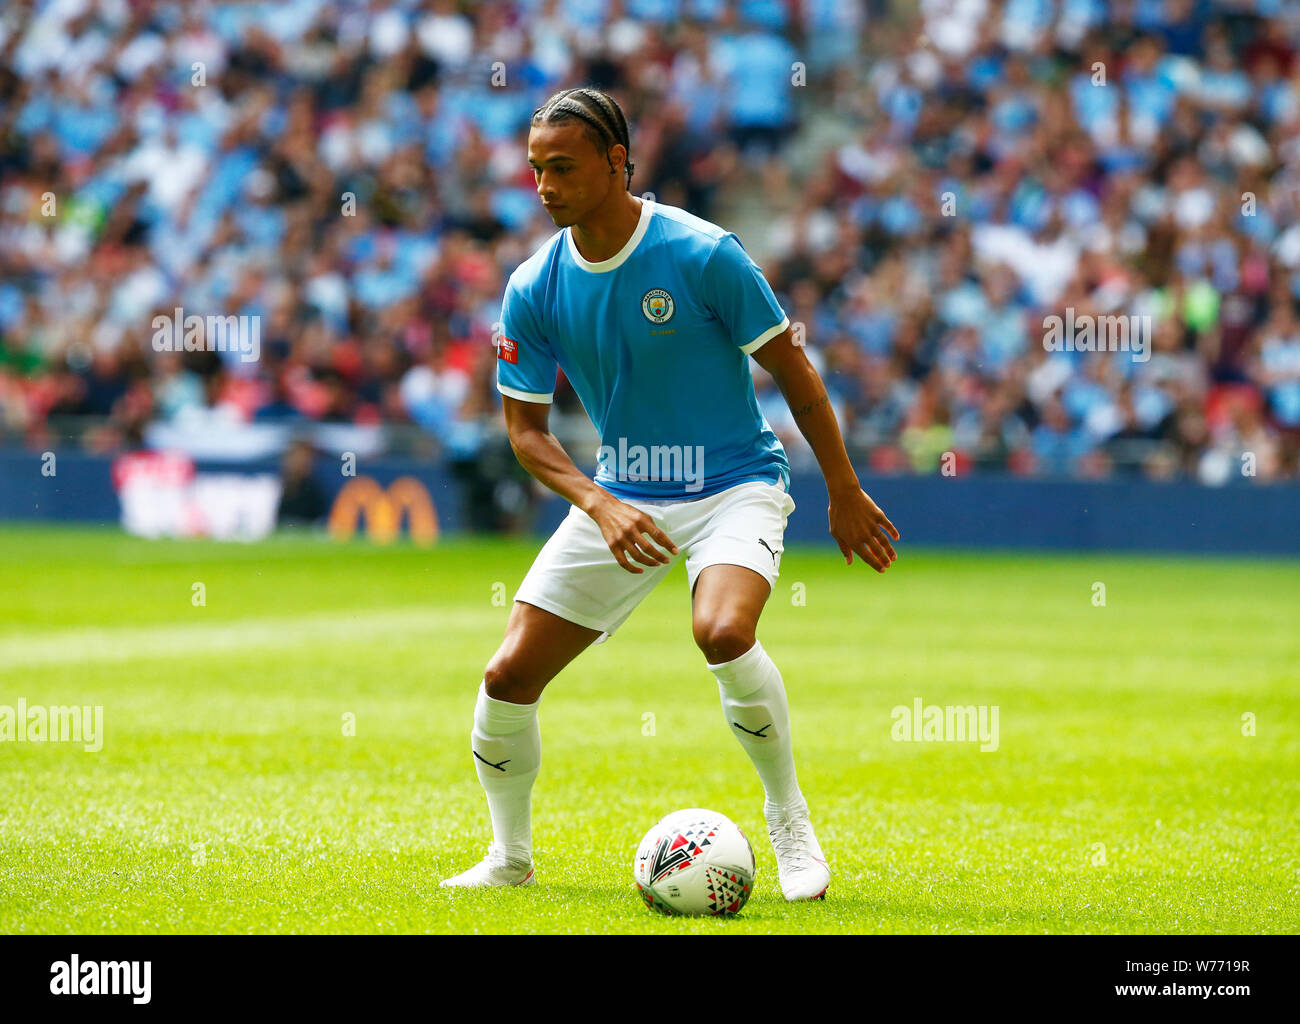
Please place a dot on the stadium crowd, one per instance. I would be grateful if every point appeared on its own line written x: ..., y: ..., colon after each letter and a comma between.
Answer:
x: 938, y: 178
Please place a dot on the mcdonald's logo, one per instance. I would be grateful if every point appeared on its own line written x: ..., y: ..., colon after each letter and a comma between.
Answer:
x: 383, y: 510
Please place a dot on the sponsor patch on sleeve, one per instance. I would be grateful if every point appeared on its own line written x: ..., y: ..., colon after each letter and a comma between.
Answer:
x: 508, y: 350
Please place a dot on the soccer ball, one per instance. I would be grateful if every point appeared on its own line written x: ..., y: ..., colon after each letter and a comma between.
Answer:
x: 695, y: 861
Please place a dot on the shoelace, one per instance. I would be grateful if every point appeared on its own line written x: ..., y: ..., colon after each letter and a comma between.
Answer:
x: 790, y: 839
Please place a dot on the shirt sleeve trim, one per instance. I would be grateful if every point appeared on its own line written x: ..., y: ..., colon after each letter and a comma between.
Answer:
x: 527, y: 396
x: 765, y: 337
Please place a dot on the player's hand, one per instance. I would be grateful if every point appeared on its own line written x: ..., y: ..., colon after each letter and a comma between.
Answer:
x: 859, y: 527
x: 627, y: 529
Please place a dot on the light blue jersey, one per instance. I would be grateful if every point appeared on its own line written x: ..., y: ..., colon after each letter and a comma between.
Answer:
x: 656, y: 343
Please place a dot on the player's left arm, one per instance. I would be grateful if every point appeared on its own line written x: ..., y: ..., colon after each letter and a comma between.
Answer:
x: 856, y: 522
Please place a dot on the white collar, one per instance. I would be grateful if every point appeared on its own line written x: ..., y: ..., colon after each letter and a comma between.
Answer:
x: 620, y: 257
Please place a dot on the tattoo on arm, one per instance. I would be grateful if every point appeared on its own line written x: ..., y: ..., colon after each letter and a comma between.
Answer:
x: 804, y: 410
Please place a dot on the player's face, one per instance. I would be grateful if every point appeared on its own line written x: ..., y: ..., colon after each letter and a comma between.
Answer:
x: 573, y: 177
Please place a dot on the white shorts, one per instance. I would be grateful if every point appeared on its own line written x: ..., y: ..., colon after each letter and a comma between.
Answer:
x: 576, y: 577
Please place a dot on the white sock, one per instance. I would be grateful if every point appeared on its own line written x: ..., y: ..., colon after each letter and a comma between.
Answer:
x: 753, y: 699
x: 507, y: 748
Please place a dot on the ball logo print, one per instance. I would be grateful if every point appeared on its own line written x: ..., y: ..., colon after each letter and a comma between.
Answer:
x: 673, y: 851
x: 695, y: 862
x: 658, y: 306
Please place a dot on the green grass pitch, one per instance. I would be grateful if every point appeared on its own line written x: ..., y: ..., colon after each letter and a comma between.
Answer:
x: 1124, y: 796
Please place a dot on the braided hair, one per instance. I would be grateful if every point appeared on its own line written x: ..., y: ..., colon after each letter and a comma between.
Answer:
x: 602, y: 119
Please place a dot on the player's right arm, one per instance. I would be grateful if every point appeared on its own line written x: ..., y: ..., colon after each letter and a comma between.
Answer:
x: 626, y: 529
x: 526, y: 368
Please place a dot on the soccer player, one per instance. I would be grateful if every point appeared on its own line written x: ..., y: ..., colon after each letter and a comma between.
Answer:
x: 653, y: 314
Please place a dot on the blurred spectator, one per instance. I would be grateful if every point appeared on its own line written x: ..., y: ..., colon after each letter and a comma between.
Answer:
x: 302, y: 501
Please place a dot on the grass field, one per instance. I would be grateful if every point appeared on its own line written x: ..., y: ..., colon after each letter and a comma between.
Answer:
x: 1123, y: 796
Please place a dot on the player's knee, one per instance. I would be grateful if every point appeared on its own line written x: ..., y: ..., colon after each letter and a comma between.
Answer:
x: 723, y: 639
x: 506, y: 679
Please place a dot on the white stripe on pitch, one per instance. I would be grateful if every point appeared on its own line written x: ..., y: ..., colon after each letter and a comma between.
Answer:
x: 327, y: 629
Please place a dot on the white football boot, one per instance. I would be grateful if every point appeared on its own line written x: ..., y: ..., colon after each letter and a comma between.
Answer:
x: 801, y: 866
x: 494, y: 869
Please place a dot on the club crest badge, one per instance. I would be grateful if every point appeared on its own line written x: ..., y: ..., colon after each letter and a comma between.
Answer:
x: 657, y: 305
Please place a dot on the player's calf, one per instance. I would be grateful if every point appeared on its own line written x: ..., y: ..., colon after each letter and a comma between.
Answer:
x: 506, y: 746
x: 506, y: 742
